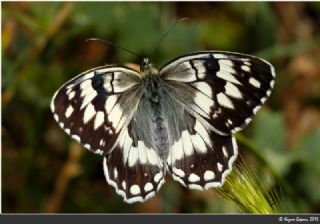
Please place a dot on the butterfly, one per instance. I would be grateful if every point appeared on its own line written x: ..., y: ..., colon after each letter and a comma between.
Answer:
x: 180, y: 119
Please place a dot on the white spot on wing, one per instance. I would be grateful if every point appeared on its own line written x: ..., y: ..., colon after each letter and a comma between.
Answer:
x: 225, y: 75
x: 268, y: 92
x: 177, y: 150
x: 123, y: 184
x: 148, y: 187
x: 187, y: 144
x: 99, y: 151
x: 226, y: 66
x: 121, y: 122
x: 115, y: 115
x: 218, y: 56
x: 224, y: 150
x: 133, y: 156
x: 198, y: 143
x: 204, y: 88
x: 98, y: 120
x: 193, y: 177
x: 157, y: 177
x: 202, y: 132
x: 224, y: 101
x: 76, y: 137
x: 102, y: 142
x: 107, y: 85
x: 223, y: 63
x: 135, y: 189
x: 245, y: 68
x: 200, y: 69
x: 88, y: 113
x: 88, y: 98
x: 254, y: 82
x: 69, y: 111
x: 71, y: 95
x: 219, y: 165
x: 247, y: 120
x: 142, y: 152
x: 87, y: 146
x: 232, y: 90
x: 127, y: 143
x: 178, y: 172
x: 204, y: 102
x: 208, y: 175
x: 86, y: 87
x: 110, y: 102
x: 255, y: 110
x: 115, y: 173
x: 272, y: 83
x: 152, y: 156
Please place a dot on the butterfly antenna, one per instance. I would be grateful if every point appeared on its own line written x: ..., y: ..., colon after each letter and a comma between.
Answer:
x: 112, y: 44
x: 179, y: 21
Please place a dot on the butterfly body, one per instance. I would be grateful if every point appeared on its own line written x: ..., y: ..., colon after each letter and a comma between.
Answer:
x: 151, y: 116
x: 179, y: 119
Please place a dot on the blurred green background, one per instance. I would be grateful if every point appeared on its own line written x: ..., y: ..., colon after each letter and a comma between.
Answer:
x: 43, y: 46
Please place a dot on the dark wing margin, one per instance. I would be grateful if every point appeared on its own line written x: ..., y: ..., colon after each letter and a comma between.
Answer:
x: 94, y: 106
x: 223, y: 88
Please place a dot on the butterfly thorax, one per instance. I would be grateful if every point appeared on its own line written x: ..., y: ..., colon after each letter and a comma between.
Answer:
x: 148, y: 69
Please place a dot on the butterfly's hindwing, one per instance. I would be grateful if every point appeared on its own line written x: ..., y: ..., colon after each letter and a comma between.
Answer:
x: 133, y: 169
x: 226, y: 89
x: 93, y: 107
x: 200, y: 158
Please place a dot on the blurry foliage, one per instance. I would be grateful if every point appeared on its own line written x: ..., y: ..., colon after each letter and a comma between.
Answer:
x: 43, y: 45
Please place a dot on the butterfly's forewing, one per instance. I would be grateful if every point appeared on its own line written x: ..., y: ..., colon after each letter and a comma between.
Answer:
x: 220, y: 92
x: 225, y: 89
x: 94, y: 107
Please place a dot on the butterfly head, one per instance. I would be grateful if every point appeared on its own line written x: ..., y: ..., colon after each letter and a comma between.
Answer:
x: 147, y: 68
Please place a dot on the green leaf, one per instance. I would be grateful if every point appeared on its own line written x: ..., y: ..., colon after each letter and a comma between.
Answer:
x: 269, y: 136
x: 309, y: 154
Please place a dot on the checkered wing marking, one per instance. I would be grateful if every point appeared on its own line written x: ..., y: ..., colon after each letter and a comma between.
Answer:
x: 94, y: 106
x: 225, y: 89
x: 134, y: 169
x: 201, y: 159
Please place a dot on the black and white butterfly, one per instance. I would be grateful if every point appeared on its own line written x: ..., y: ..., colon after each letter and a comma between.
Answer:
x: 181, y: 118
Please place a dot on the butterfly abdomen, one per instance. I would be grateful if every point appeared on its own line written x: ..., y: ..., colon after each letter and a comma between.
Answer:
x: 151, y: 116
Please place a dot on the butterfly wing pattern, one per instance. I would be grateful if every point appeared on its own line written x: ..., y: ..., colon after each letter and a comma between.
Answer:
x: 95, y: 109
x: 180, y: 119
x: 222, y: 91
